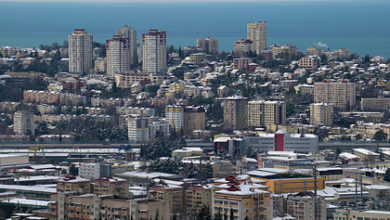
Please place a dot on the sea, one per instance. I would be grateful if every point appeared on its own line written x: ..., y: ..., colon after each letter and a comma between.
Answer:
x: 362, y: 26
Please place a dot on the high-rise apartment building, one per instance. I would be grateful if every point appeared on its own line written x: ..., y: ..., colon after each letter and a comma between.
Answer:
x: 321, y: 114
x: 138, y: 128
x: 80, y: 51
x: 208, y: 45
x: 257, y: 33
x: 131, y: 36
x: 24, y: 123
x: 266, y: 113
x: 235, y: 113
x: 306, y: 206
x: 154, y: 51
x: 342, y: 94
x: 174, y: 114
x: 118, y: 60
x: 194, y: 119
x: 242, y: 48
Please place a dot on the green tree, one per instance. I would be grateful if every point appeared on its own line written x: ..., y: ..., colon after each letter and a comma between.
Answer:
x: 181, y: 143
x: 42, y: 128
x: 380, y: 136
x: 165, y: 166
x: 73, y: 170
x: 204, y: 214
x: 231, y: 214
x: 157, y: 215
x: 218, y: 216
x: 387, y: 175
x: 358, y: 137
x: 338, y: 152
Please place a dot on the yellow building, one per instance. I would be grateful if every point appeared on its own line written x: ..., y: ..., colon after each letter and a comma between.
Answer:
x: 245, y: 198
x: 187, y: 152
x: 171, y: 193
x: 198, y: 196
x: 174, y: 114
x: 194, y: 119
x: 283, y: 181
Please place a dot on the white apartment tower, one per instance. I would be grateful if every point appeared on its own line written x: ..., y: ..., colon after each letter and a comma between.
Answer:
x: 80, y: 51
x: 342, y: 94
x: 257, y: 33
x: 24, y: 123
x: 118, y: 56
x: 138, y: 129
x: 321, y: 114
x: 131, y: 36
x: 154, y: 51
x: 175, y: 116
x: 266, y: 113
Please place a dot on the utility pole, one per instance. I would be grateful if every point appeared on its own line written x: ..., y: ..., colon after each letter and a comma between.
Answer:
x: 361, y: 187
x: 356, y: 190
x: 315, y: 190
x: 315, y: 178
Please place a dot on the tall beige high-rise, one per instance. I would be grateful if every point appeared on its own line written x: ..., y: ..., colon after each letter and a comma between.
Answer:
x: 174, y: 114
x: 235, y: 113
x: 118, y: 56
x: 154, y: 51
x: 266, y: 113
x: 208, y: 44
x: 131, y: 36
x: 321, y: 114
x: 80, y: 51
x: 257, y: 33
x: 342, y: 94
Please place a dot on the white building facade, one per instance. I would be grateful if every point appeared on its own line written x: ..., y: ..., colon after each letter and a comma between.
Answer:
x: 80, y: 52
x: 154, y: 51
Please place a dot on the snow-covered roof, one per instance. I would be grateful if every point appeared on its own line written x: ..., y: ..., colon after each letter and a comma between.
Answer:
x: 24, y: 201
x: 365, y: 152
x: 36, y: 188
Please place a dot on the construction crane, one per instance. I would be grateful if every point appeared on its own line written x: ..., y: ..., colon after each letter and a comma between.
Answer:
x: 35, y: 149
